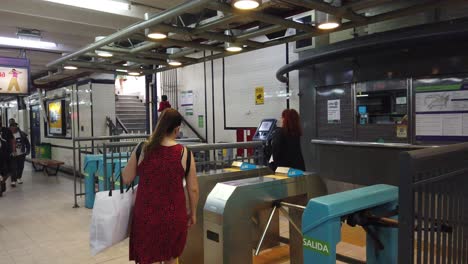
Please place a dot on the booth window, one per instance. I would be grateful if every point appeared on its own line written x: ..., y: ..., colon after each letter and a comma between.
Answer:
x: 381, y: 107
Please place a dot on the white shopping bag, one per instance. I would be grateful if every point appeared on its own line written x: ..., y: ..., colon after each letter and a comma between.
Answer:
x: 111, y: 219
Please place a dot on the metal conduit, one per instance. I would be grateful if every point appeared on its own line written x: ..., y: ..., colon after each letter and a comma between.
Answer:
x: 159, y: 18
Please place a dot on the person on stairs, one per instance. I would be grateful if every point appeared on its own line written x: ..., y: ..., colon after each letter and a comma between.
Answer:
x: 23, y: 148
x: 164, y: 104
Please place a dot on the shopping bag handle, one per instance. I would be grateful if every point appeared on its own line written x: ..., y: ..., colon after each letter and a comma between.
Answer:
x: 137, y: 153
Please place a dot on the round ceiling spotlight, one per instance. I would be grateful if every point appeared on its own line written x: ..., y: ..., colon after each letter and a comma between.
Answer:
x: 327, y: 21
x: 232, y: 47
x: 246, y: 4
x: 70, y: 67
x: 154, y: 33
x: 173, y: 62
x: 104, y: 54
x: 134, y: 73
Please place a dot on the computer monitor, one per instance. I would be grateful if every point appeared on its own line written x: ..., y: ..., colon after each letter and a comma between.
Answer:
x: 265, y: 126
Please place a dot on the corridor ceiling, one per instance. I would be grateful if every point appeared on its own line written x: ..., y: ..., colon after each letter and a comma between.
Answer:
x: 193, y: 27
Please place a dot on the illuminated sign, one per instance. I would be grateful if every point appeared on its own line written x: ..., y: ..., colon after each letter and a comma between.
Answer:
x: 14, y: 76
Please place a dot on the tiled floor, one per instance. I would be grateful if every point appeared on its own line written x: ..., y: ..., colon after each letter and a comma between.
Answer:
x: 38, y: 225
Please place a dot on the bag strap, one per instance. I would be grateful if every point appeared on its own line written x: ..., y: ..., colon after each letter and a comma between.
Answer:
x: 188, y: 163
x: 138, y: 154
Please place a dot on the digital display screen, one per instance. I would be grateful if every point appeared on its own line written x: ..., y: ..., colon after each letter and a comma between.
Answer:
x: 265, y: 126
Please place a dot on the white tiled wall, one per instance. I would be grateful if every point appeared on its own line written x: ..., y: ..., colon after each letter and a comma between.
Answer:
x: 243, y: 73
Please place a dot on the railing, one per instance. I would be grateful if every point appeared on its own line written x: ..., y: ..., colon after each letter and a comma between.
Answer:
x: 121, y: 124
x: 194, y: 130
x: 433, y: 205
x: 207, y: 156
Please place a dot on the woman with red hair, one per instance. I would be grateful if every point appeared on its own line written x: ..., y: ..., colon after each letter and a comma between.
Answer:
x: 286, y: 142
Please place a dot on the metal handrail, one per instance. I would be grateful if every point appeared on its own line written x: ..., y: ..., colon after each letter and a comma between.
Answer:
x: 121, y: 124
x: 214, y: 146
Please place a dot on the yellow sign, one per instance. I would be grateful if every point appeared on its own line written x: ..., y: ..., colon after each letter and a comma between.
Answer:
x: 13, y: 80
x: 259, y: 95
x: 55, y: 117
x: 402, y: 131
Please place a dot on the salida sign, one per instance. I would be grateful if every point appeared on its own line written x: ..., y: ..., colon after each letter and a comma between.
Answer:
x: 316, y: 245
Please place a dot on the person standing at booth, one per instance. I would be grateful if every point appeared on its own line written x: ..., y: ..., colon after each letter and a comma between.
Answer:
x: 7, y: 145
x: 286, y: 142
x: 23, y: 148
x: 160, y: 218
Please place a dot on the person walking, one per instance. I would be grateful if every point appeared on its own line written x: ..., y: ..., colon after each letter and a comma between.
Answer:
x: 23, y: 148
x: 164, y: 104
x: 7, y: 145
x: 286, y: 142
x: 160, y: 216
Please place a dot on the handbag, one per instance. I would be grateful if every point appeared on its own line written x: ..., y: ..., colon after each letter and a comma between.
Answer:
x: 112, y: 212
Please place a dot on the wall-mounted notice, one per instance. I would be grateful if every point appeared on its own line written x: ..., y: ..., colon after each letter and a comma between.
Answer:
x: 441, y: 109
x: 259, y: 95
x: 186, y: 98
x: 334, y: 111
x: 14, y: 76
x: 201, y: 121
x: 189, y: 111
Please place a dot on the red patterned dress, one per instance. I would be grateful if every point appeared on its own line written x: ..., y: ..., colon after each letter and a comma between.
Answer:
x: 159, y: 226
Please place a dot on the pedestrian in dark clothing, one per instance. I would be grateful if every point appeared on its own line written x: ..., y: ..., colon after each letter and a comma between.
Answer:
x: 164, y: 104
x: 7, y: 145
x: 23, y: 148
x: 286, y: 142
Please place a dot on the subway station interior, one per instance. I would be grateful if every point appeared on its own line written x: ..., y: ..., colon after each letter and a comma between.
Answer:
x: 309, y: 131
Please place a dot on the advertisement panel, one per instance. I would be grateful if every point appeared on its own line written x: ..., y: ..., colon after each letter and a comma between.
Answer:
x: 56, y: 122
x: 14, y: 76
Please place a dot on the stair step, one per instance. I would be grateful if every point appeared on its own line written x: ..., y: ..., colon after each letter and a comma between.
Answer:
x: 127, y: 102
x: 131, y: 117
x: 126, y: 96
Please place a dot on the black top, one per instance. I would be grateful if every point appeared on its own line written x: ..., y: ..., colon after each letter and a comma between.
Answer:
x: 286, y: 151
x: 5, y: 141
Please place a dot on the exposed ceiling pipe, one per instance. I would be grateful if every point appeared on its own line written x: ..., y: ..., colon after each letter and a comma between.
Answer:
x: 146, y: 46
x: 159, y: 18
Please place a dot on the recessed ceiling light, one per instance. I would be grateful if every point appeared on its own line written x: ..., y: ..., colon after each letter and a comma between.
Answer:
x: 36, y: 44
x: 157, y: 35
x: 104, y: 54
x: 231, y: 47
x: 174, y: 62
x: 134, y: 73
x: 246, y: 4
x: 328, y: 25
x: 70, y: 67
x: 121, y: 70
x: 99, y: 5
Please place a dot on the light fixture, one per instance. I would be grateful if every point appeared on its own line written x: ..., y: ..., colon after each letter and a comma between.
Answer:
x: 99, y: 5
x: 362, y: 95
x: 246, y: 4
x: 102, y: 53
x: 134, y: 73
x: 70, y: 67
x: 154, y: 33
x: 327, y: 21
x: 173, y: 62
x: 23, y: 43
x: 230, y: 46
x: 121, y: 70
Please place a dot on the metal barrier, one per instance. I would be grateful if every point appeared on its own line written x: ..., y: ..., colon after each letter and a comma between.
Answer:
x: 117, y: 150
x: 434, y: 205
x: 96, y: 145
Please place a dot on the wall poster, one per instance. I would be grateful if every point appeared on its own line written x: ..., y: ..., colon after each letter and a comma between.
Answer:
x: 14, y: 76
x: 259, y: 95
x: 441, y: 109
x: 57, y: 123
x: 186, y: 98
x: 334, y: 109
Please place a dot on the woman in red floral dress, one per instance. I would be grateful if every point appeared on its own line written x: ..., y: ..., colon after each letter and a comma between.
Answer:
x: 160, y: 217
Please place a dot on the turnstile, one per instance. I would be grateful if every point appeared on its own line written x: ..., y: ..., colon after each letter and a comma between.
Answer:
x: 231, y: 231
x: 193, y: 253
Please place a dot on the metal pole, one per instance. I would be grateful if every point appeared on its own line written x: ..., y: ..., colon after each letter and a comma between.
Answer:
x: 74, y: 174
x: 295, y: 206
x: 104, y: 157
x: 286, y: 214
x: 257, y: 251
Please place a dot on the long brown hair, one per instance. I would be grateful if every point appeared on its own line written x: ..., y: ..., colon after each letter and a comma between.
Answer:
x: 291, y: 123
x: 169, y: 120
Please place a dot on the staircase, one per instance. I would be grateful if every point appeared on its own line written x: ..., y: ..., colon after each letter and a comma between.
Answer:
x: 132, y: 112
